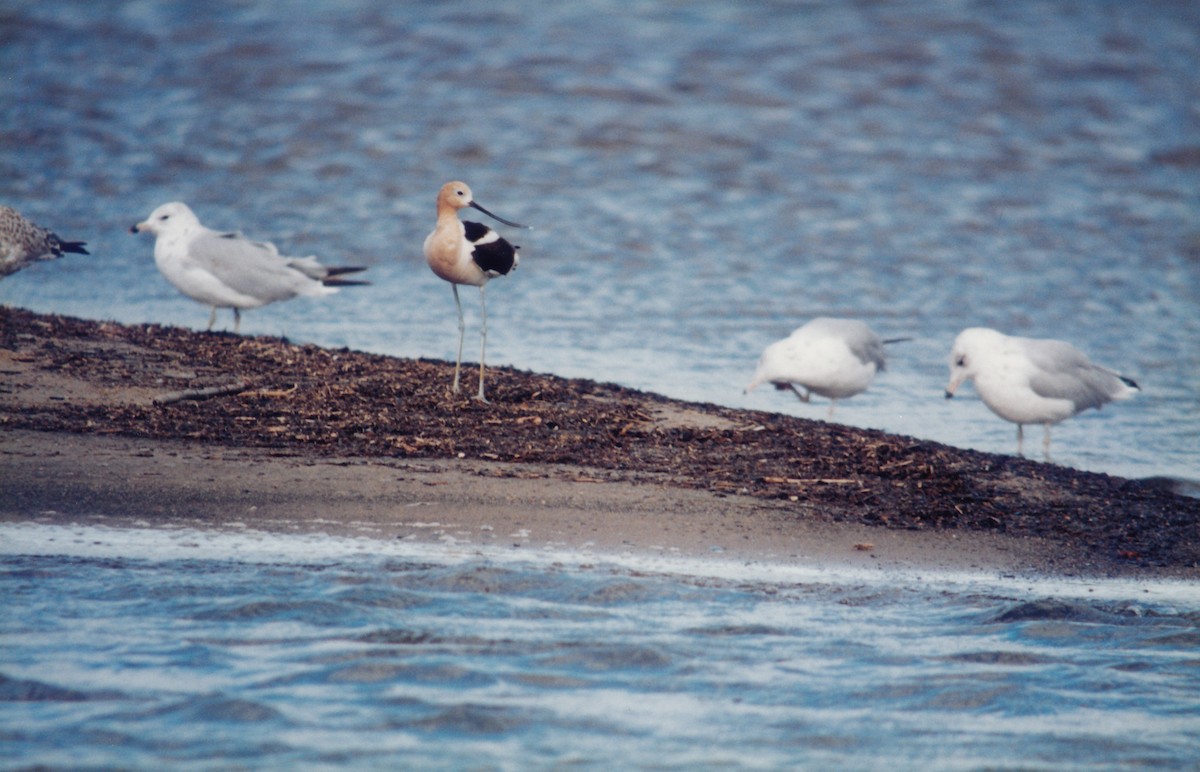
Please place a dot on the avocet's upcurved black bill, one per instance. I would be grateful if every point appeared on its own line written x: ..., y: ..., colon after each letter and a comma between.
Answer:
x: 494, y: 217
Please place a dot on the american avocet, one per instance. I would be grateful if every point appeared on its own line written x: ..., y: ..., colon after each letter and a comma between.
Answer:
x: 1032, y: 381
x: 467, y: 253
x: 226, y: 270
x: 835, y: 358
x: 23, y: 243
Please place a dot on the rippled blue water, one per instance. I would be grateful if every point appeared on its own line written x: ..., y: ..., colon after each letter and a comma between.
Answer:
x: 703, y: 178
x: 147, y: 648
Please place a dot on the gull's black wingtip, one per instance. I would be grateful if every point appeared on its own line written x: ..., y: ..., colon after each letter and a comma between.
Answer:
x: 344, y: 269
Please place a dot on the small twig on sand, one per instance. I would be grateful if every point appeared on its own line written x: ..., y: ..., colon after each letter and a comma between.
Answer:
x: 277, y: 392
x: 198, y: 394
x: 809, y: 480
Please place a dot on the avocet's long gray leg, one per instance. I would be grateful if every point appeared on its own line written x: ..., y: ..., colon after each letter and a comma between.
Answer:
x: 482, y: 341
x: 462, y: 330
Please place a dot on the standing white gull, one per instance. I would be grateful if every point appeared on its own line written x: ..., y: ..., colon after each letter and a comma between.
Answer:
x: 226, y: 270
x: 1032, y: 380
x: 23, y: 243
x: 467, y: 253
x: 835, y: 358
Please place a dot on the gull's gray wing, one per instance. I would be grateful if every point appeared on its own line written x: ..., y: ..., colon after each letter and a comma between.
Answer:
x: 249, y: 267
x: 869, y: 349
x: 862, y: 341
x: 1064, y: 372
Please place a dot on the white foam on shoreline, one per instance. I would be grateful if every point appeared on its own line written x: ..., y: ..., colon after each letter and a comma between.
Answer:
x: 145, y: 541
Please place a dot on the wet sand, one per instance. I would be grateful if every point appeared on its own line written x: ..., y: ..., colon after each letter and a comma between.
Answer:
x: 146, y: 425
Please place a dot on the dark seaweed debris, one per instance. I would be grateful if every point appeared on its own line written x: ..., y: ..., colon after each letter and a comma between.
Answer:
x: 311, y: 400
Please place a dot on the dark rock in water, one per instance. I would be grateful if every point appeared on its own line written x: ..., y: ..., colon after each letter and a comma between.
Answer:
x: 1176, y: 485
x: 1053, y: 610
x: 20, y: 690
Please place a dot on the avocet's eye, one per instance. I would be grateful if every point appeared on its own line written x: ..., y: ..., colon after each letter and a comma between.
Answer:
x: 960, y: 362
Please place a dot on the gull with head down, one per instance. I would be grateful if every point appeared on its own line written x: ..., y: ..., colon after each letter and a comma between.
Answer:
x: 835, y: 358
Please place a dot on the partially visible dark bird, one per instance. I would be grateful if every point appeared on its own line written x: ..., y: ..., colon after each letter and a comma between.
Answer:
x: 23, y: 243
